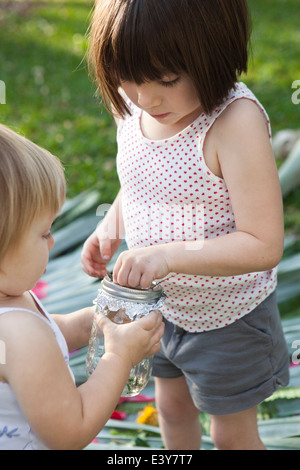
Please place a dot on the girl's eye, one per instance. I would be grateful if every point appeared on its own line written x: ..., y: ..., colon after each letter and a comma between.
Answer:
x: 48, y: 235
x: 170, y: 83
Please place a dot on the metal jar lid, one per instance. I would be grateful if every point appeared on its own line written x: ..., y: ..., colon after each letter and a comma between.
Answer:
x: 149, y: 295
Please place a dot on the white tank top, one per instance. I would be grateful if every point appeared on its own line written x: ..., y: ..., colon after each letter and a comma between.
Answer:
x: 15, y: 431
x: 169, y: 195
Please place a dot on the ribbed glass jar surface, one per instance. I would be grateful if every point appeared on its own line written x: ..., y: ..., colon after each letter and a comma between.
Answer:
x: 123, y: 305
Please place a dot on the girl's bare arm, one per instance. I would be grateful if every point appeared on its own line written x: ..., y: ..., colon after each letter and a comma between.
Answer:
x: 248, y: 167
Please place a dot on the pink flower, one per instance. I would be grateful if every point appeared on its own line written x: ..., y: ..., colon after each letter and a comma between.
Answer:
x: 120, y: 415
x: 40, y: 289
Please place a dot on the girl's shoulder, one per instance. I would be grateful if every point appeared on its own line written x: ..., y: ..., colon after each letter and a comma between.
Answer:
x: 20, y: 332
x: 241, y: 121
x: 21, y: 317
x: 243, y: 116
x: 242, y: 108
x: 242, y: 104
x: 18, y: 322
x: 240, y: 112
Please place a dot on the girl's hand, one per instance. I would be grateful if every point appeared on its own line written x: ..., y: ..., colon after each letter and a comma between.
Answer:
x: 96, y: 253
x: 133, y: 341
x: 104, y: 241
x: 140, y: 267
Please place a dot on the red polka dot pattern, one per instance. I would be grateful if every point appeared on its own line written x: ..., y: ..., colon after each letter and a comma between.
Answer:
x: 169, y: 194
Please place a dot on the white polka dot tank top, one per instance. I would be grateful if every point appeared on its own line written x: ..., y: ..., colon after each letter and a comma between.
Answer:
x: 168, y: 195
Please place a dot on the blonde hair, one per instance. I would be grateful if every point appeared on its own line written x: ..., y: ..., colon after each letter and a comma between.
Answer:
x: 31, y: 182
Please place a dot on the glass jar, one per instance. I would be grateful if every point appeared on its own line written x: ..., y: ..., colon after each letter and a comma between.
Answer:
x: 123, y: 305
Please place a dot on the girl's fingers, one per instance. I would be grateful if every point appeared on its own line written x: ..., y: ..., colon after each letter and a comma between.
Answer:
x: 105, y: 249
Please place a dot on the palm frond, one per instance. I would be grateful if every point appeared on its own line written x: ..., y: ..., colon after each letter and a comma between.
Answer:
x: 69, y: 288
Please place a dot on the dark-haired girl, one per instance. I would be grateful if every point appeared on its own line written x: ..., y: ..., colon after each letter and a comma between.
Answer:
x: 200, y: 206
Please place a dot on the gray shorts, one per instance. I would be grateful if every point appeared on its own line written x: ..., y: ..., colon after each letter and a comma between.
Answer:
x: 231, y: 369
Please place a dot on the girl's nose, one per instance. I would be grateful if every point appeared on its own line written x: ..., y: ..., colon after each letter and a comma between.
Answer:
x: 148, y: 96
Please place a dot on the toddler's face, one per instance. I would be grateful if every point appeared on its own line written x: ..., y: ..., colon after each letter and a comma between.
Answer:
x: 24, y: 265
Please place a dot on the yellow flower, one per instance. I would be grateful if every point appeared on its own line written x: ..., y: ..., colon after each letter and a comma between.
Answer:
x: 149, y: 416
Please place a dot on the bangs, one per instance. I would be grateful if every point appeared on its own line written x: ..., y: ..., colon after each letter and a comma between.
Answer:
x: 126, y: 45
x: 144, y: 40
x: 137, y: 42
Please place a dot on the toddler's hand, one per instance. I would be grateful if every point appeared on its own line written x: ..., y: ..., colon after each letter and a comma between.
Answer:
x: 135, y: 340
x: 141, y: 266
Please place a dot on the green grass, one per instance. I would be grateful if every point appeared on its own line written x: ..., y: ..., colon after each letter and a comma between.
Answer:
x: 50, y: 98
x: 275, y: 65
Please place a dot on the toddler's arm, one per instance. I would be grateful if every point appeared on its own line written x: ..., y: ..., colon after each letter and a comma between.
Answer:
x: 76, y: 327
x: 63, y: 416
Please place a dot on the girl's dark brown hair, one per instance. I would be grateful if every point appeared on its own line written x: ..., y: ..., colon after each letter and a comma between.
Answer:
x: 143, y: 40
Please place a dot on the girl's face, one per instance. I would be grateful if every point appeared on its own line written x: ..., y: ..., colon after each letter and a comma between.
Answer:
x: 172, y: 102
x: 24, y: 265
